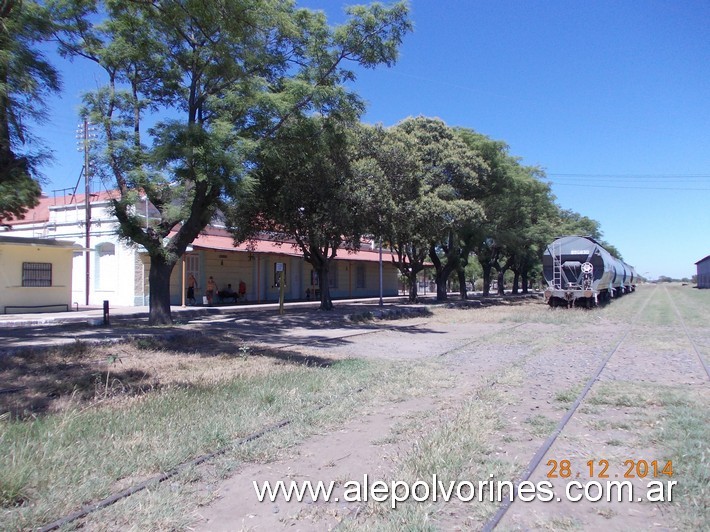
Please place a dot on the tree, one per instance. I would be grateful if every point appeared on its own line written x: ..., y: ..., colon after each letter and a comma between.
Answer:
x: 386, y: 160
x: 533, y: 215
x: 451, y: 181
x: 26, y: 79
x: 304, y: 193
x: 215, y: 79
x: 486, y: 238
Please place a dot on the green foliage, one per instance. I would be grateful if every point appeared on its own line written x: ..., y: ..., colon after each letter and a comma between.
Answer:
x: 452, y: 178
x: 216, y: 79
x: 304, y: 192
x: 521, y: 216
x: 386, y: 159
x: 26, y: 79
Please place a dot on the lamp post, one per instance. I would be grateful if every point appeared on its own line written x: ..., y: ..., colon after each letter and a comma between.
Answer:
x: 381, y: 303
x: 187, y: 250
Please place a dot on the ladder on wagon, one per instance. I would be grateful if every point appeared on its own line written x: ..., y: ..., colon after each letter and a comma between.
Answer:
x: 557, y: 265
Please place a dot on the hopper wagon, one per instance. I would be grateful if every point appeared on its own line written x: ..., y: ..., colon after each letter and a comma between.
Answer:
x: 580, y: 272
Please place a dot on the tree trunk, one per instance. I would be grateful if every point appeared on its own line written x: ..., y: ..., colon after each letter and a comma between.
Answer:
x: 516, y: 281
x: 412, y: 281
x: 440, y: 278
x: 524, y: 277
x: 501, y: 282
x: 462, y: 284
x: 326, y: 303
x: 159, y: 279
x: 486, y: 279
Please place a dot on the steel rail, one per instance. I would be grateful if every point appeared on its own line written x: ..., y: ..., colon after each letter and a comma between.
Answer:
x: 542, y: 450
x: 115, y: 497
x: 157, y: 479
x: 687, y: 334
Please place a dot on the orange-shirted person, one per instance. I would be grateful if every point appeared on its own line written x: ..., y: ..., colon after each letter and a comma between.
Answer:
x: 211, y: 290
x: 242, y: 291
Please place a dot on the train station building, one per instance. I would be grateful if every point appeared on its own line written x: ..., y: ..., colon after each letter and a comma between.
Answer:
x: 107, y: 268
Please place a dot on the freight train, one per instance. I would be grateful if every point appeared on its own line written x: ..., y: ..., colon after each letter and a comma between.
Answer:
x: 580, y: 272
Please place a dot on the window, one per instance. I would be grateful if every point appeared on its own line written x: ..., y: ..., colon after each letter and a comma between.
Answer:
x: 36, y: 274
x: 360, y: 276
x: 192, y: 265
x: 105, y: 276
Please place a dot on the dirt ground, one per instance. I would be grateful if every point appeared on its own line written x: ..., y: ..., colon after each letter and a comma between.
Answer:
x: 553, y: 354
x: 521, y: 359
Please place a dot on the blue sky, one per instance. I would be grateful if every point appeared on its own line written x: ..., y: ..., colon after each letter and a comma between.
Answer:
x: 611, y: 98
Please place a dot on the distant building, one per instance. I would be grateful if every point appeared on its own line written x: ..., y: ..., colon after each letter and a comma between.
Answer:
x: 703, y: 266
x: 106, y: 268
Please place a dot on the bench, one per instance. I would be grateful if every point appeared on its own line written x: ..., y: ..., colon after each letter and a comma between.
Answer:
x: 223, y: 295
x: 64, y: 305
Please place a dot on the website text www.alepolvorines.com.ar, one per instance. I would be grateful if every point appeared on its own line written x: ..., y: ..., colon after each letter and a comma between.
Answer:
x: 437, y: 490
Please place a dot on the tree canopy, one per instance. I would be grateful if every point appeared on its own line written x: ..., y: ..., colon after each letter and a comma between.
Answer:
x: 303, y: 192
x: 193, y: 89
x: 243, y: 108
x: 26, y: 79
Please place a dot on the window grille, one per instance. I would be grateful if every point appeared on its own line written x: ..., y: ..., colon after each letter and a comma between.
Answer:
x: 36, y: 274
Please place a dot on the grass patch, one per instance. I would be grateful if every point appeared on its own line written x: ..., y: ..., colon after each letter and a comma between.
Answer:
x: 53, y: 462
x: 569, y: 395
x: 457, y: 447
x: 541, y: 426
x: 676, y: 420
x: 559, y: 523
x: 633, y: 395
x: 685, y: 436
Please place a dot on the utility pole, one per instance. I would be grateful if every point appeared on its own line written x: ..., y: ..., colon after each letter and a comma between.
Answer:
x: 84, y: 134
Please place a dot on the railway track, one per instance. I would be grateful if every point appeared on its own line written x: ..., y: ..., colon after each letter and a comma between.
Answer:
x: 166, y: 475
x: 701, y: 359
x: 544, y: 449
x: 534, y: 462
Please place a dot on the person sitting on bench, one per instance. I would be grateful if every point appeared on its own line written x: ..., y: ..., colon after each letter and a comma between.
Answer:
x: 227, y: 293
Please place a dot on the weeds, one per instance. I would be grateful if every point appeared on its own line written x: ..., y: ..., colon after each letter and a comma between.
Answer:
x: 54, y: 463
x: 685, y: 435
x: 541, y: 426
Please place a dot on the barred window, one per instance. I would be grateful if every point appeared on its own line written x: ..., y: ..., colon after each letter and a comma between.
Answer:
x: 36, y: 274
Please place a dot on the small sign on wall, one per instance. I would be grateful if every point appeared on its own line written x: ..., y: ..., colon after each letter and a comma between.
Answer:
x: 279, y: 272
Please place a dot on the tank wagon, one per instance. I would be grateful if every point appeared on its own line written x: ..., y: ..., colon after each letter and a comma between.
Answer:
x: 579, y: 271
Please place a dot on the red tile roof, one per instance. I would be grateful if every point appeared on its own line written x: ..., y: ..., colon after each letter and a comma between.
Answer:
x: 213, y: 238
x: 40, y: 213
x: 221, y: 240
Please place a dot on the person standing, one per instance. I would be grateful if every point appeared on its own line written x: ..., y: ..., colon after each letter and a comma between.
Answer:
x: 242, y: 294
x: 211, y: 290
x: 191, y: 285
